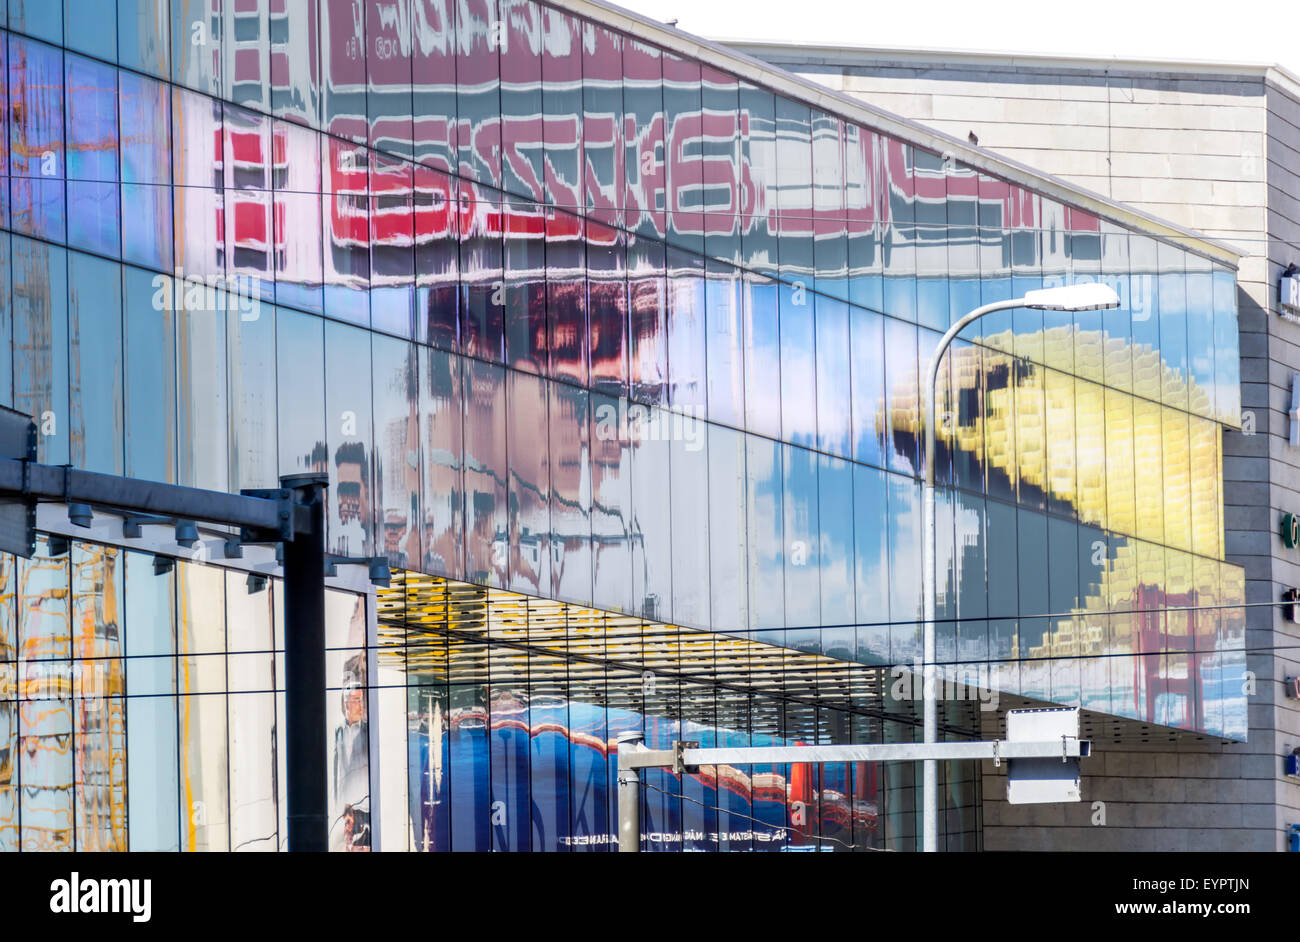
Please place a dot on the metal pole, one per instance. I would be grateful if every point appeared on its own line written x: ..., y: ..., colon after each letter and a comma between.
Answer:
x: 929, y: 585
x: 306, y: 762
x: 629, y: 795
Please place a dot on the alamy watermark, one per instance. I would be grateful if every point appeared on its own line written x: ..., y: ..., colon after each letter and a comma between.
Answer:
x: 233, y: 293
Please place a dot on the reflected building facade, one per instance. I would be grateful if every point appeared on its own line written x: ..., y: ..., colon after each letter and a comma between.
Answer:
x: 614, y: 354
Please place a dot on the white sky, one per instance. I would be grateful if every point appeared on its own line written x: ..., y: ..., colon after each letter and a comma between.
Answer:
x: 1240, y: 31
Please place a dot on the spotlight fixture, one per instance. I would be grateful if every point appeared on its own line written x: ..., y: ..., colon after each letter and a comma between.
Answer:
x: 256, y: 583
x: 379, y: 571
x: 58, y: 545
x: 233, y: 549
x: 163, y: 565
x: 187, y: 534
x: 80, y: 515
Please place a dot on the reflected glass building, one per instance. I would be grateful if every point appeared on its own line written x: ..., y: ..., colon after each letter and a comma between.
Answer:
x: 614, y: 354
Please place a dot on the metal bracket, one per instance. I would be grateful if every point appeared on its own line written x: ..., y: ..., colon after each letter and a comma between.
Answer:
x: 284, y: 499
x: 997, y: 758
x: 679, y: 756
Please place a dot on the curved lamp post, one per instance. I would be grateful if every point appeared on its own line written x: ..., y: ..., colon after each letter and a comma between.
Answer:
x: 1090, y: 296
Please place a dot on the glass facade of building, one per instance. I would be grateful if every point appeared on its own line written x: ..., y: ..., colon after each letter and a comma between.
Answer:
x: 570, y: 317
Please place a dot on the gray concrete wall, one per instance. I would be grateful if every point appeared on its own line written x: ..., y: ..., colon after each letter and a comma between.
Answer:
x: 1220, y: 153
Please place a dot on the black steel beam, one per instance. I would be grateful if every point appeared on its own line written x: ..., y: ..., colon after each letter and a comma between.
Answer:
x: 55, y: 482
x: 304, y: 662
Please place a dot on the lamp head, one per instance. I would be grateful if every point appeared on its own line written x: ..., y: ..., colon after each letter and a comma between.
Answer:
x: 1087, y: 296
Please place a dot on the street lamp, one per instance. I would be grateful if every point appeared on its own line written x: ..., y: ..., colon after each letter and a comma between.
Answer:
x: 1089, y: 296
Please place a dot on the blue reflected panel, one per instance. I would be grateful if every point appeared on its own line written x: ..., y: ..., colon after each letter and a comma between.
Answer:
x: 902, y: 402
x: 1227, y: 364
x: 433, y: 78
x: 441, y: 441
x: 145, y: 171
x: 727, y: 542
x: 945, y: 598
x: 92, y: 156
x: 150, y: 407
x: 568, y: 338
x: 720, y: 192
x: 898, y: 237
x: 548, y: 713
x: 300, y: 381
x: 4, y: 156
x: 142, y: 30
x: 689, y: 463
x: 602, y: 124
x: 871, y: 562
x: 1031, y: 430
x: 40, y: 331
x: 650, y: 431
x: 1232, y: 651
x: 482, y: 332
x: 931, y: 210
x: 1203, y: 662
x: 6, y: 320
x: 1068, y: 633
x: 486, y: 537
x: 478, y: 90
x: 607, y: 307
x: 999, y: 204
x: 246, y: 50
x: 611, y: 504
x: 1033, y: 568
x: 684, y: 164
x: 437, y: 259
x: 570, y: 494
x: 647, y: 290
x: 830, y: 225
x: 725, y: 344
x: 904, y: 509
x: 251, y: 348
x: 765, y: 528
x: 1000, y: 465
x: 762, y: 357
x: 799, y: 377
x: 527, y: 447
x: 511, y: 817
x: 471, y: 812
x: 966, y: 420
x: 38, y: 18
x: 644, y: 123
x: 247, y: 163
x: 95, y: 363
x: 758, y: 206
x: 295, y: 61
x: 699, y: 788
x: 1003, y: 597
x: 388, y: 76
x: 867, y: 386
x: 971, y: 585
x: 1061, y: 443
x: 1117, y: 327
x: 1058, y: 326
x: 963, y: 266
x: 523, y: 162
x: 392, y: 245
x: 345, y: 224
x: 589, y: 770
x: 834, y: 398
x: 152, y: 768
x: 863, y: 207
x: 298, y: 221
x: 1148, y: 369
x: 343, y: 69
x: 835, y: 554
x: 1085, y: 266
x: 202, y: 407
x: 794, y: 191
x: 1200, y: 336
x: 687, y: 340
x: 1172, y: 305
x: 196, y: 45
x: 927, y: 344
x: 562, y: 109
x: 428, y: 763
x: 349, y: 440
x: 397, y: 450
x: 36, y: 138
